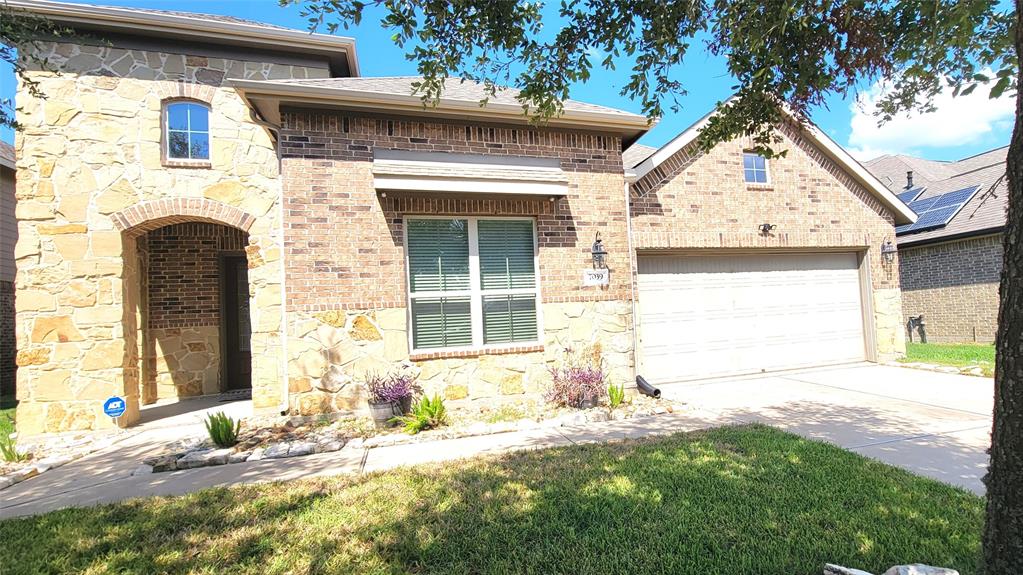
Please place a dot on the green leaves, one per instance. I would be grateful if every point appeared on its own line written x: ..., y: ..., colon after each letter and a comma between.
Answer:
x: 783, y: 53
x: 222, y: 429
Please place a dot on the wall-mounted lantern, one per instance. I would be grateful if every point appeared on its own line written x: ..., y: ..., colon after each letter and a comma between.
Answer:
x: 888, y: 251
x: 765, y: 229
x: 599, y: 253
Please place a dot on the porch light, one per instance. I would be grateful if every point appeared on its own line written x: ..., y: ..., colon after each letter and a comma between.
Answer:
x: 599, y: 253
x: 888, y: 251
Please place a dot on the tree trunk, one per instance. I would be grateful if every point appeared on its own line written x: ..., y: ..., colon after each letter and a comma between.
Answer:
x: 1003, y: 534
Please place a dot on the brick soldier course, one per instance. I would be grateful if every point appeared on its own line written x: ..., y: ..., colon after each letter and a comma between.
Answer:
x: 118, y: 286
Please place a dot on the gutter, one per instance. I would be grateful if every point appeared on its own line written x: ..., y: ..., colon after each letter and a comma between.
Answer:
x: 951, y: 237
x: 633, y: 265
x: 414, y: 104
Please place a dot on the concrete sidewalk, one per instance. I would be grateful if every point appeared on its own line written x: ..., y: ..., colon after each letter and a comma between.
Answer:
x: 105, y: 477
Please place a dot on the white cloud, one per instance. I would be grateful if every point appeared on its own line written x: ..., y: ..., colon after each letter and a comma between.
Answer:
x: 956, y: 121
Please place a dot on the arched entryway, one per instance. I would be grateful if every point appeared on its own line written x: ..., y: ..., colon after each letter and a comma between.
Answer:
x: 187, y: 281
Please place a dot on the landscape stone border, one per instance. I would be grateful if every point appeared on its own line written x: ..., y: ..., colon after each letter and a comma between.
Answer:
x: 62, y: 455
x: 972, y: 370
x: 205, y: 456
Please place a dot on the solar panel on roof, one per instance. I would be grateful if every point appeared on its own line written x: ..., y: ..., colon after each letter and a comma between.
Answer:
x: 910, y: 195
x: 952, y: 198
x: 937, y: 211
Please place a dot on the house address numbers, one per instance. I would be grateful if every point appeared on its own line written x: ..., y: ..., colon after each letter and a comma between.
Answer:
x: 599, y: 277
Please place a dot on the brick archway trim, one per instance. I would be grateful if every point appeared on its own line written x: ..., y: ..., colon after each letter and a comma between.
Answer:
x: 146, y: 216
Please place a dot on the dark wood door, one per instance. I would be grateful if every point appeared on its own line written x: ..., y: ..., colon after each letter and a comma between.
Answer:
x: 236, y: 328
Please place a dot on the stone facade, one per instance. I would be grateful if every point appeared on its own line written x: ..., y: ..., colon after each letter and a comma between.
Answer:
x: 700, y: 201
x: 346, y: 288
x: 91, y: 184
x: 954, y: 285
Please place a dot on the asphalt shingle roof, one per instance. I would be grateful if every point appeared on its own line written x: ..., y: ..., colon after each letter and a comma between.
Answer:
x: 199, y: 15
x: 454, y: 89
x: 985, y: 211
x: 7, y: 155
x: 635, y: 155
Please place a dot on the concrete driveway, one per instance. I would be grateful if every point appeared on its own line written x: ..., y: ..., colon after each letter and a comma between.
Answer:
x: 934, y: 424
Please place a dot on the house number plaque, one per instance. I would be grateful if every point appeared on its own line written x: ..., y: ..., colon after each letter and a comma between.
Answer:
x: 599, y: 277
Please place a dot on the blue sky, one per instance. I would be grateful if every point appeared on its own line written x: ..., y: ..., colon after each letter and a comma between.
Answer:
x: 961, y: 127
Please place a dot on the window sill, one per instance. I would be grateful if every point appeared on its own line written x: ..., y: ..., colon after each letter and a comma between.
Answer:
x: 187, y: 164
x: 757, y: 186
x: 477, y: 352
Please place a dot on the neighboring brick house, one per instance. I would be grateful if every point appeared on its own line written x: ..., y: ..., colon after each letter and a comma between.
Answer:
x: 249, y: 212
x: 8, y: 237
x: 951, y: 262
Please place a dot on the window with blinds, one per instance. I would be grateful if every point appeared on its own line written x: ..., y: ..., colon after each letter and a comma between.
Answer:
x: 473, y: 282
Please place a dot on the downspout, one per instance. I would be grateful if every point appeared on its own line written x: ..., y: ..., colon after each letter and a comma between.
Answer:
x: 276, y: 130
x: 633, y: 261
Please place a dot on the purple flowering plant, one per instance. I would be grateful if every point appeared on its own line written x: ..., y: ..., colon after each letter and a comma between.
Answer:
x: 391, y: 388
x: 580, y: 377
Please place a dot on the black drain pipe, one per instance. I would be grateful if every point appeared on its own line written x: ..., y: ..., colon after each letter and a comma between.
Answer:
x: 646, y: 389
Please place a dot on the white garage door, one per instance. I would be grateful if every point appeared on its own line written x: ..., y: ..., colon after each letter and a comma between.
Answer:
x: 710, y: 316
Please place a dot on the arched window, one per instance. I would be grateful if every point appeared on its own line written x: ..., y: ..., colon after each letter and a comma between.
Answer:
x: 187, y: 132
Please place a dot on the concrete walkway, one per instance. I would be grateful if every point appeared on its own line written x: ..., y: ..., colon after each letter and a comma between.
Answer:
x: 934, y: 424
x: 105, y: 477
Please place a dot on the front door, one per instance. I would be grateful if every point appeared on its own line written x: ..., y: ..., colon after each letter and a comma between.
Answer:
x: 235, y: 327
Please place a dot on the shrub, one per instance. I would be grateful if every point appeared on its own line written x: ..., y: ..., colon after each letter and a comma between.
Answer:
x: 580, y: 377
x: 223, y: 430
x: 390, y: 389
x: 615, y: 395
x: 9, y: 450
x: 426, y: 414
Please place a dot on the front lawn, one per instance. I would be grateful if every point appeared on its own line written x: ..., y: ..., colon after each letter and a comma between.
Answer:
x: 7, y: 408
x: 953, y: 354
x: 732, y: 500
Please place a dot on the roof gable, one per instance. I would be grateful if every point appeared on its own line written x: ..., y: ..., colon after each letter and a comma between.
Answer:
x: 901, y: 212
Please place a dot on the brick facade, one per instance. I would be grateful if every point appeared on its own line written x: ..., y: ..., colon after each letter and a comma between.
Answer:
x: 184, y: 272
x: 955, y: 286
x: 343, y: 239
x: 8, y: 349
x: 700, y: 201
x: 345, y: 253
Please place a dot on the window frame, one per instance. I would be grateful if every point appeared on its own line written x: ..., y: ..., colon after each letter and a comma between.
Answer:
x: 475, y: 291
x: 767, y: 169
x: 165, y: 131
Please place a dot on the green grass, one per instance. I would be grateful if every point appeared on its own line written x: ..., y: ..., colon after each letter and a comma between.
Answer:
x: 954, y: 354
x: 732, y: 500
x: 7, y: 408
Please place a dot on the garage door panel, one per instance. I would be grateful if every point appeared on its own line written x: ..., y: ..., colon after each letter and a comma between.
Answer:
x: 705, y: 316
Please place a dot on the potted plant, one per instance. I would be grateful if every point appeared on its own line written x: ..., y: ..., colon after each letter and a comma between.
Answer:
x: 578, y: 382
x: 389, y: 396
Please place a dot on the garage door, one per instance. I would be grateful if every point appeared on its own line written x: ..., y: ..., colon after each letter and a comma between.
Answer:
x: 711, y: 316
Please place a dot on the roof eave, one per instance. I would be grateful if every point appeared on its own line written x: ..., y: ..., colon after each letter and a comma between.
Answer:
x: 630, y: 125
x: 133, y: 21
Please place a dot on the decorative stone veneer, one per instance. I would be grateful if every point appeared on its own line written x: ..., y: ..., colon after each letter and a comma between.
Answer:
x: 332, y: 351
x: 90, y: 183
x: 955, y: 286
x: 697, y: 201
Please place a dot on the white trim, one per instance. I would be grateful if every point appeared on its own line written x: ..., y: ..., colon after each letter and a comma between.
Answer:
x: 167, y: 104
x: 767, y: 169
x: 190, y: 26
x: 902, y: 213
x: 455, y: 184
x: 475, y: 292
